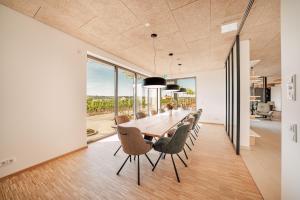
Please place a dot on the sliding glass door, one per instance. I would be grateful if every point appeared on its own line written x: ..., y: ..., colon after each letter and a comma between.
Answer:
x: 141, y: 95
x: 126, y: 93
x: 100, y: 99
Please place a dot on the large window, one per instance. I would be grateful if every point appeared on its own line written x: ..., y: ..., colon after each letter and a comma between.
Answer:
x: 180, y: 100
x: 111, y: 91
x: 141, y: 95
x: 187, y: 100
x: 100, y: 99
x: 126, y: 92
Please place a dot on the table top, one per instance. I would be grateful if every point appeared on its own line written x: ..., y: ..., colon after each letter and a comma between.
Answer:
x: 158, y: 125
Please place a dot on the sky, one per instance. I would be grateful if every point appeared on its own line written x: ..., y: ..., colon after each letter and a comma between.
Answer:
x: 100, y: 81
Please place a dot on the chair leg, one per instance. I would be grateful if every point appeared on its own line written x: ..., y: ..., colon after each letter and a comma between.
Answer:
x: 185, y: 154
x: 149, y: 160
x: 191, y: 140
x: 177, y: 176
x: 134, y: 158
x: 188, y: 146
x: 195, y: 133
x: 117, y: 150
x: 181, y: 160
x: 138, y: 158
x: 193, y: 136
x: 165, y: 156
x: 157, y: 161
x: 123, y: 165
x: 129, y: 158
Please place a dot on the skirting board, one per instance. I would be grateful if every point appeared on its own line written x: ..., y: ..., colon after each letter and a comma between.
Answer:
x: 44, y: 162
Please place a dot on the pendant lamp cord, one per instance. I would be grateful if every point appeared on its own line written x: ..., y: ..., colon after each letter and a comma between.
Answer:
x: 154, y: 58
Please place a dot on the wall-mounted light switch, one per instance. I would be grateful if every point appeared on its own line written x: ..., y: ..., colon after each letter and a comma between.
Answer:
x: 291, y: 88
x: 293, y: 129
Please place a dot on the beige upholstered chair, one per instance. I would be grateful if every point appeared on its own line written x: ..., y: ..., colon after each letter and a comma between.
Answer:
x: 140, y: 115
x: 134, y: 144
x: 153, y: 112
x: 120, y: 120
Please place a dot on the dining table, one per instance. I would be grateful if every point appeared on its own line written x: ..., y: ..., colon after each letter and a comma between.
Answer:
x: 158, y: 125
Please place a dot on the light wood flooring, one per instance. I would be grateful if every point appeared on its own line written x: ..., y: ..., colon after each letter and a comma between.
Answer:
x: 213, y: 172
x: 264, y: 158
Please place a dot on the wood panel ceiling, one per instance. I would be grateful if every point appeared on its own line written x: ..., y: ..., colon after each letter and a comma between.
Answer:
x: 188, y: 28
x: 262, y: 28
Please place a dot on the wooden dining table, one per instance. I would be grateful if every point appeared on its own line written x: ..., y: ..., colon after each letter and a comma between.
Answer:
x: 158, y: 125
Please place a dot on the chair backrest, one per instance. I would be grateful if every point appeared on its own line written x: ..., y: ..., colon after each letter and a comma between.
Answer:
x: 263, y: 107
x: 191, y: 121
x: 140, y: 115
x: 197, y: 117
x: 153, y: 112
x: 121, y: 119
x: 179, y: 138
x: 132, y: 140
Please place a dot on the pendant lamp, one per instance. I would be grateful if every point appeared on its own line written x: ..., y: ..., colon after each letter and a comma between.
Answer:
x: 154, y: 82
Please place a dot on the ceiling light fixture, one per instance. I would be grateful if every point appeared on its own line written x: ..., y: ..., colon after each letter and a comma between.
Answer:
x: 229, y: 27
x: 181, y: 90
x: 154, y: 82
x: 172, y: 87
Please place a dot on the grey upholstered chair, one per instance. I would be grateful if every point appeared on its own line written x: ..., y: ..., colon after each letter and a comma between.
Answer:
x: 140, y: 115
x: 120, y: 120
x: 190, y: 119
x: 134, y: 144
x: 173, y: 145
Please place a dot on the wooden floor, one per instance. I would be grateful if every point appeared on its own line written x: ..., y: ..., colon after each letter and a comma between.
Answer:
x: 264, y: 158
x: 213, y: 172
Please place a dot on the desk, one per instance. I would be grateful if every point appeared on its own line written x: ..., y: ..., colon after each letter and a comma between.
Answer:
x: 158, y: 125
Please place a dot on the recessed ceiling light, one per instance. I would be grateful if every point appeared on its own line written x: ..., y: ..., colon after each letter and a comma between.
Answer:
x: 147, y: 24
x: 179, y: 64
x: 229, y: 27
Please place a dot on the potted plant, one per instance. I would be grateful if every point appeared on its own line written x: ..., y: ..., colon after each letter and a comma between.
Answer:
x: 170, y: 107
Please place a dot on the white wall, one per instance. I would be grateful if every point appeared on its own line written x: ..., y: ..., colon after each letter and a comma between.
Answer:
x: 276, y: 96
x: 245, y: 93
x: 290, y: 57
x: 210, y: 94
x: 42, y: 89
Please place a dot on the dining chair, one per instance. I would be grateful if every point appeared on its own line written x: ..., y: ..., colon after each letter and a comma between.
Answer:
x: 173, y: 145
x: 153, y: 112
x: 140, y: 115
x: 134, y: 144
x: 119, y: 120
x: 171, y: 132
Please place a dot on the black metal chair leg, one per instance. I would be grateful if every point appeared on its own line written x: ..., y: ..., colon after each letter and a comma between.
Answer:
x: 117, y: 150
x: 191, y: 140
x: 149, y: 160
x: 138, y: 157
x: 177, y: 176
x: 185, y: 154
x: 157, y: 161
x: 181, y: 160
x: 195, y: 133
x: 188, y: 146
x: 129, y: 158
x: 134, y: 158
x: 193, y: 136
x: 123, y: 165
x: 165, y: 156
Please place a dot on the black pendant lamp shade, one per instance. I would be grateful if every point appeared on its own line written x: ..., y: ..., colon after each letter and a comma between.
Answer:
x: 172, y: 87
x: 182, y: 90
x: 155, y: 82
